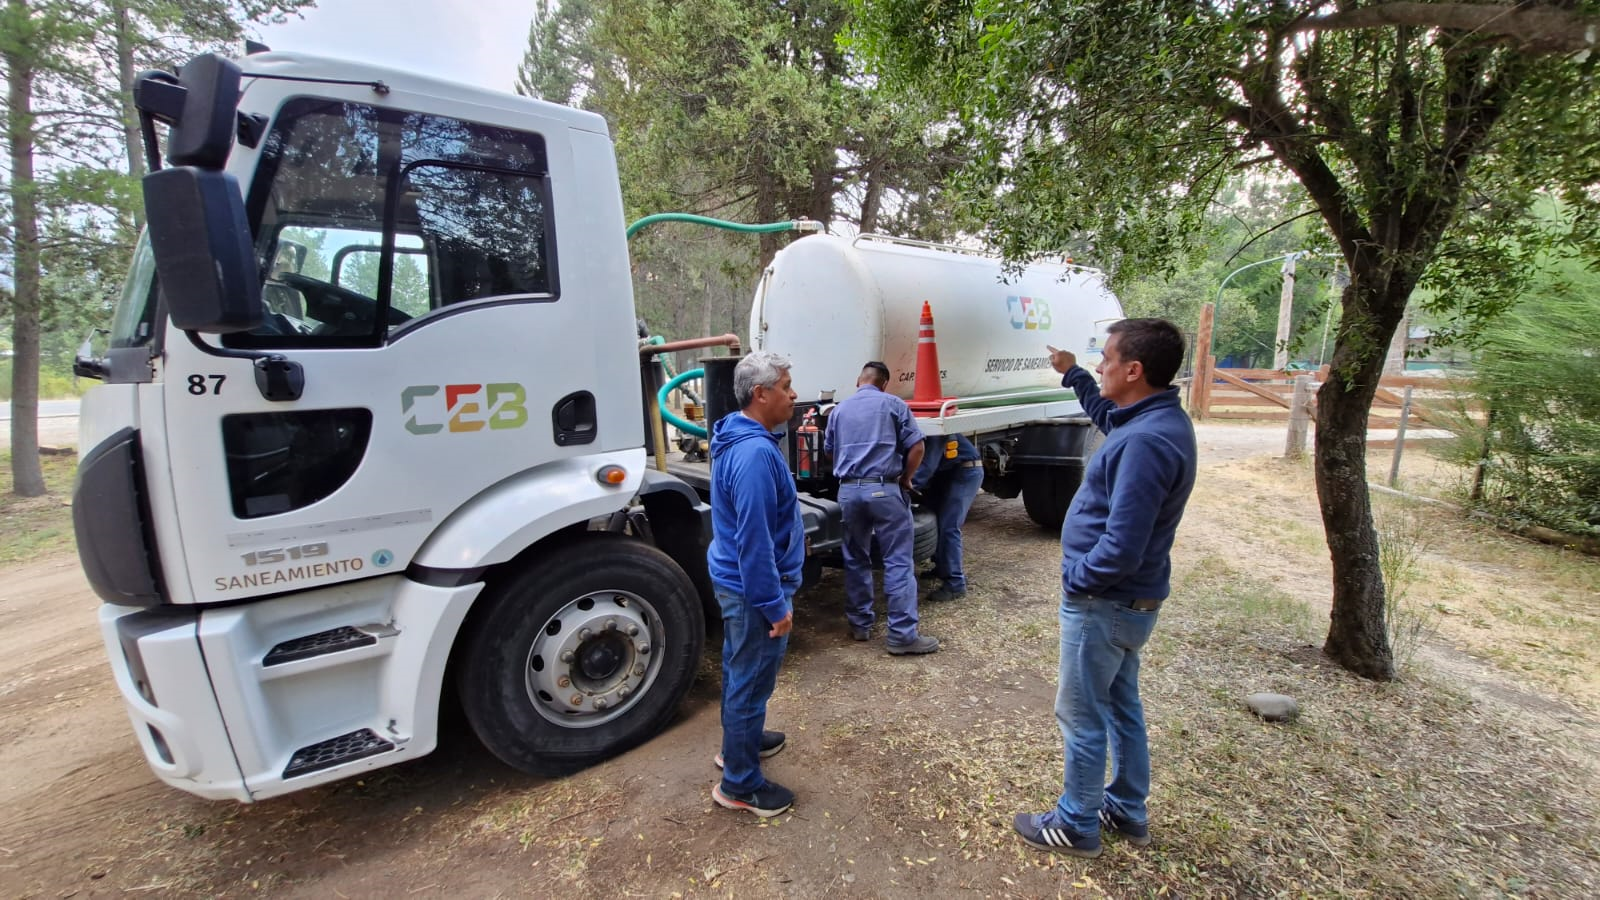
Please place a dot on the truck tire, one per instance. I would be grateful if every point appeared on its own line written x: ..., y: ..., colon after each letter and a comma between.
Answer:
x: 1047, y: 492
x: 924, y: 539
x: 581, y: 654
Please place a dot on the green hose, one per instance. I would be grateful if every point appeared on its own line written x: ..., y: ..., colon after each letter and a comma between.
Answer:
x: 661, y: 400
x: 789, y: 225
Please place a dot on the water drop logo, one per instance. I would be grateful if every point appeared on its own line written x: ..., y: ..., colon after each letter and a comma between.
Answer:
x: 382, y: 559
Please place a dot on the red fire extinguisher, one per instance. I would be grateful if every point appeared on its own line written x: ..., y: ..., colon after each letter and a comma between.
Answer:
x: 807, y: 446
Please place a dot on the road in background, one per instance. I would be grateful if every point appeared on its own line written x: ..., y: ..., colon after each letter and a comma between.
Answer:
x: 58, y: 423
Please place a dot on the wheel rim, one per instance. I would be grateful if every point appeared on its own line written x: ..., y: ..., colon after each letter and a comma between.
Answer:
x: 594, y: 658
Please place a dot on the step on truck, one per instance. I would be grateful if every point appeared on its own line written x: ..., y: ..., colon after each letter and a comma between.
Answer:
x: 371, y: 432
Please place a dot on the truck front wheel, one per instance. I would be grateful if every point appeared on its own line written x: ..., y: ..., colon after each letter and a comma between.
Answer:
x: 581, y: 654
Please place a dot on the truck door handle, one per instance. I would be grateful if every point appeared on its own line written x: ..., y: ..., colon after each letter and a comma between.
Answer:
x: 573, y: 419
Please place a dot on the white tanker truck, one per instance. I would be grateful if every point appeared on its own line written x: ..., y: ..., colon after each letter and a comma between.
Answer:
x: 371, y: 428
x: 832, y: 303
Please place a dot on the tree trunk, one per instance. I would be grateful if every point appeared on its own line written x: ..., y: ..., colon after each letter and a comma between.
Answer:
x: 27, y: 478
x: 132, y: 144
x: 1357, y: 637
x: 871, y: 202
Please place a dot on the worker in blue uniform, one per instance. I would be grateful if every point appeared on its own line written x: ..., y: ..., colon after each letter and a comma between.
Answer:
x: 876, y: 448
x: 949, y: 478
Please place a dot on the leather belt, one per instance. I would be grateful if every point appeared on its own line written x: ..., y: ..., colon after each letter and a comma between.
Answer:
x: 970, y: 464
x: 1138, y: 604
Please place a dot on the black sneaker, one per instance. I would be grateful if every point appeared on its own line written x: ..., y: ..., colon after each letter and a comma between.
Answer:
x: 1135, y: 833
x: 772, y: 743
x: 1043, y: 832
x: 917, y: 647
x: 769, y: 800
x: 861, y: 634
x: 944, y: 594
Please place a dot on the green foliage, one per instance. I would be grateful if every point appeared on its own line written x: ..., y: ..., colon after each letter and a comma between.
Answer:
x: 742, y: 109
x: 1422, y: 133
x: 1247, y: 226
x: 1117, y: 124
x: 1539, y: 371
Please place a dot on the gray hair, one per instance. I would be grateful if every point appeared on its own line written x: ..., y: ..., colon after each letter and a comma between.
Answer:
x: 761, y: 368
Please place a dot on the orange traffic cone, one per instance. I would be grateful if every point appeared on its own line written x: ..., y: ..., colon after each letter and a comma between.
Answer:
x: 927, y: 395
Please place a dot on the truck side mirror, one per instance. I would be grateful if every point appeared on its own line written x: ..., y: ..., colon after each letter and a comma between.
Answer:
x: 200, y: 238
x: 86, y: 364
x: 200, y: 106
x: 199, y: 233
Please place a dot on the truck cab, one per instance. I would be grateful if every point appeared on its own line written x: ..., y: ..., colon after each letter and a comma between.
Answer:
x: 371, y: 412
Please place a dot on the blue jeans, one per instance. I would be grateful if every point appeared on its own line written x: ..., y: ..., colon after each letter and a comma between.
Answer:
x: 952, y: 499
x: 1099, y: 698
x: 750, y: 663
x: 883, y: 510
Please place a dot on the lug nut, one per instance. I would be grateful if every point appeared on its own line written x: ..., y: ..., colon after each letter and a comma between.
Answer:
x: 577, y: 699
x: 638, y: 669
x: 566, y: 656
x: 585, y: 634
x: 600, y: 703
x: 563, y: 681
x: 644, y: 647
x: 611, y: 625
x: 633, y: 631
x: 624, y: 691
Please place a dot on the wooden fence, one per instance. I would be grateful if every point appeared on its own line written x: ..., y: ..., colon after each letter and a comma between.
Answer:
x: 1266, y: 395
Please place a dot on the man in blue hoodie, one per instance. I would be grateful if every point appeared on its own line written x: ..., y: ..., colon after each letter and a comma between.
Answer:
x: 758, y: 546
x: 1115, y: 570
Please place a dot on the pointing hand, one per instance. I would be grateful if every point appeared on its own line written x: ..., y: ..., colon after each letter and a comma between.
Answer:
x: 1061, y: 360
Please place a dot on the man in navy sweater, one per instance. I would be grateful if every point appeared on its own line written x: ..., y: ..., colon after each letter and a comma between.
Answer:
x: 758, y: 546
x: 1115, y: 570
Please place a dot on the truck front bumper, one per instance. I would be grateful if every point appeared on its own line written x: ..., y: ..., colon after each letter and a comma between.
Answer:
x: 259, y: 699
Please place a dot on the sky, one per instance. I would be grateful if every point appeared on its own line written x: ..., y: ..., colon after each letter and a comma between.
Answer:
x: 478, y: 42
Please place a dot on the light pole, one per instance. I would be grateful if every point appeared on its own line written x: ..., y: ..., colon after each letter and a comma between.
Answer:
x: 1285, y: 304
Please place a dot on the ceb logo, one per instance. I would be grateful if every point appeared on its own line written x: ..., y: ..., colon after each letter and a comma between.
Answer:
x: 1029, y: 313
x: 470, y: 407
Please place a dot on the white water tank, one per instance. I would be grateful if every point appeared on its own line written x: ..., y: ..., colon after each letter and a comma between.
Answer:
x: 833, y: 303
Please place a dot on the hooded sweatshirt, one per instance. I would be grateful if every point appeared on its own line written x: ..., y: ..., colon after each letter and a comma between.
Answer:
x: 758, y: 544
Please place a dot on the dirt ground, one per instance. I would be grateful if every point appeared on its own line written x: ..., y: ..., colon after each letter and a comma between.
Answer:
x: 82, y: 815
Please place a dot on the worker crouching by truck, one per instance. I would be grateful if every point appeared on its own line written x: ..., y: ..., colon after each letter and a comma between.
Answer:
x: 949, y: 479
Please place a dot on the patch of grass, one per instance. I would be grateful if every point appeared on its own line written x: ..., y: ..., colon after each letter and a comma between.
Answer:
x: 1238, y: 600
x: 38, y: 526
x: 1533, y: 610
x: 1378, y: 790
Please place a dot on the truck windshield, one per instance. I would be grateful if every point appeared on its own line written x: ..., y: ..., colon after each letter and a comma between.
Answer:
x: 133, y: 324
x: 366, y: 218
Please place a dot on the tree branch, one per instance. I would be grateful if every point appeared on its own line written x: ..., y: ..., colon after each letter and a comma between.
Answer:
x: 1272, y: 123
x: 1536, y: 30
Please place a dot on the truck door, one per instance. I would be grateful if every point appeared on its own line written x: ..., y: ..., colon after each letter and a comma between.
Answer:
x: 410, y: 279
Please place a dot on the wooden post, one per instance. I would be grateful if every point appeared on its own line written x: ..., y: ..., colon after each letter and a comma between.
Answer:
x: 1395, y: 362
x: 1200, y: 388
x: 1280, y: 350
x: 1299, y: 417
x: 1400, y: 437
x: 1483, y: 457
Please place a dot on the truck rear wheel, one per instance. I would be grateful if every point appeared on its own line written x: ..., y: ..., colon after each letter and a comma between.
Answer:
x: 1047, y: 492
x: 580, y: 655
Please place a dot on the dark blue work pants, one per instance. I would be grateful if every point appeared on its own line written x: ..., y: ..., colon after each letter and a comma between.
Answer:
x: 884, y: 511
